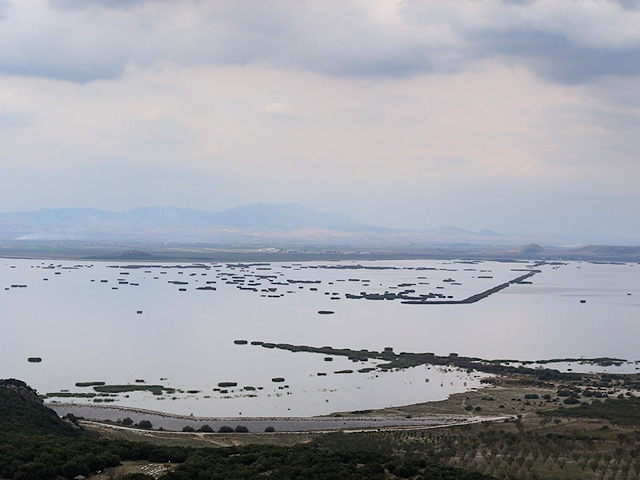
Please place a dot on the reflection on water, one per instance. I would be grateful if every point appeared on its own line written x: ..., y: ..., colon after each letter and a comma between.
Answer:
x: 175, y: 326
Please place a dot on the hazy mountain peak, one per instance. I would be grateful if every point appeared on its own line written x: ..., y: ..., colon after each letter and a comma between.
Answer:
x: 285, y: 216
x: 447, y: 231
x: 488, y: 233
x: 531, y: 249
x: 169, y: 222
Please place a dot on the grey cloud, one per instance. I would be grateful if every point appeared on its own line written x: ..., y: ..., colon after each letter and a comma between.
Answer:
x: 518, y: 2
x: 341, y: 40
x: 625, y: 4
x: 4, y: 7
x: 282, y: 37
x: 552, y: 43
x: 553, y: 56
x: 83, y: 4
x: 81, y: 73
x: 628, y: 4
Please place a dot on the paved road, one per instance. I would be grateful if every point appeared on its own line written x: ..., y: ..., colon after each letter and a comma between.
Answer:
x: 280, y: 424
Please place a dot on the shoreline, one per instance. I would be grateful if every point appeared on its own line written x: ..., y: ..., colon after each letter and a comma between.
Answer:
x: 175, y: 423
x: 205, y: 255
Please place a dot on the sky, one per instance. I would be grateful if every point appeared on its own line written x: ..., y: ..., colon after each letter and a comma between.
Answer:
x: 521, y: 116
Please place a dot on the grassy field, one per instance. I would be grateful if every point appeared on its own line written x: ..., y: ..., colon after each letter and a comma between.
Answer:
x: 154, y: 470
x: 494, y: 401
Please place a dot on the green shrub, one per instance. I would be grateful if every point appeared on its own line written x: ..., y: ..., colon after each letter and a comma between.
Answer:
x: 144, y: 424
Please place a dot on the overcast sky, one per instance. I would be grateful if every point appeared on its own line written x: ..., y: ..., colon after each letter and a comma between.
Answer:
x: 518, y: 116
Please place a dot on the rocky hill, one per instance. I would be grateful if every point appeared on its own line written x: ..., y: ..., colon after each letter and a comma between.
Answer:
x: 22, y: 411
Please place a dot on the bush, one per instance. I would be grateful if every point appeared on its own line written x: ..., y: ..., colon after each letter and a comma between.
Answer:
x: 241, y: 429
x: 188, y: 428
x: 205, y: 428
x: 269, y: 429
x: 225, y: 429
x: 72, y: 418
x: 405, y: 470
x: 144, y: 424
x: 136, y: 476
x: 127, y: 421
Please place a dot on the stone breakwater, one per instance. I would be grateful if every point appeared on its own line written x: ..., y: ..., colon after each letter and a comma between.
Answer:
x: 474, y: 298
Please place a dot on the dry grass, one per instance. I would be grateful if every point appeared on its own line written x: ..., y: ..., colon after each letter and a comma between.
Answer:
x: 133, y: 467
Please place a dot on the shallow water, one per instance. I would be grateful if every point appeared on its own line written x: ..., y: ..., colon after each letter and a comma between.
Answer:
x: 89, y: 330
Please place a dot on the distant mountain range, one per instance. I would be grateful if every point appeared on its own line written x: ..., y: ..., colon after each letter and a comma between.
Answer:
x: 170, y: 223
x: 265, y: 225
x: 260, y: 222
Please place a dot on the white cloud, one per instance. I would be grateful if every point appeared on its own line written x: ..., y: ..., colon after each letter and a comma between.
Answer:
x: 490, y: 123
x: 15, y: 111
x: 273, y: 108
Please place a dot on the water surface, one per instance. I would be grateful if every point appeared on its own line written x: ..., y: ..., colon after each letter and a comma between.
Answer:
x: 82, y: 319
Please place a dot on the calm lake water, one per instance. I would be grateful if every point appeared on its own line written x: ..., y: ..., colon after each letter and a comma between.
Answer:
x: 82, y: 319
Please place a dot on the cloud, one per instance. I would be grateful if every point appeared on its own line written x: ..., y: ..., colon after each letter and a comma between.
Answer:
x: 628, y: 4
x: 554, y: 57
x: 492, y: 124
x: 393, y: 112
x: 80, y: 41
x: 567, y: 42
x: 273, y: 108
x: 9, y: 119
x: 87, y: 4
x: 15, y: 111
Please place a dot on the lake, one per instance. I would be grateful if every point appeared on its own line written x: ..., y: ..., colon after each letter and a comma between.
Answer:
x: 83, y: 320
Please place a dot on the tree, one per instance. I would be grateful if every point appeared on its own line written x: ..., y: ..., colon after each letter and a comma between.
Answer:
x: 144, y: 424
x: 137, y: 476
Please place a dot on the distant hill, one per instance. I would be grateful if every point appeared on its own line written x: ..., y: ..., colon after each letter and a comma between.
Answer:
x: 264, y: 225
x: 286, y: 217
x: 170, y: 223
x: 607, y: 251
x: 531, y: 249
x: 455, y: 234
